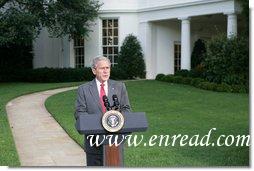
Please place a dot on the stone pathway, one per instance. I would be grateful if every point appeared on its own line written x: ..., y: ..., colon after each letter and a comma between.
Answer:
x: 39, y: 139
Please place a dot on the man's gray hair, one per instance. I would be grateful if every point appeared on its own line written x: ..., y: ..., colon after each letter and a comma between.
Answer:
x: 99, y: 58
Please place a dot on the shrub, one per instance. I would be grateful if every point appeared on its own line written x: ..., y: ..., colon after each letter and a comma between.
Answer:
x: 167, y: 78
x: 159, y: 77
x: 227, y: 60
x: 131, y: 58
x: 239, y: 88
x: 224, y: 88
x: 183, y: 73
x: 186, y: 80
x: 195, y: 81
x: 194, y: 73
x: 203, y: 84
x: 207, y: 85
x: 58, y: 75
x: 176, y: 79
x: 197, y: 72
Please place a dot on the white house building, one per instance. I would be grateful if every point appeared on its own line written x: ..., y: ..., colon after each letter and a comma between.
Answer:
x: 166, y: 29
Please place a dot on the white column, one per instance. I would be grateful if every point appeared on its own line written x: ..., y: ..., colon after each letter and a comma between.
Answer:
x: 72, y: 56
x: 185, y: 44
x: 145, y: 36
x: 231, y: 25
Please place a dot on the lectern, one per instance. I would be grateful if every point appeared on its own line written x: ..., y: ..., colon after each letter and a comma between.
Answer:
x: 96, y: 124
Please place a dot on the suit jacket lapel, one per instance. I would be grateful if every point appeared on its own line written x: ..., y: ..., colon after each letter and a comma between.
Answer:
x: 95, y: 94
x: 111, y: 91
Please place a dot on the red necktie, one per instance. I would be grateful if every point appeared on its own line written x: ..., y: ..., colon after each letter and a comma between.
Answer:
x: 102, y: 93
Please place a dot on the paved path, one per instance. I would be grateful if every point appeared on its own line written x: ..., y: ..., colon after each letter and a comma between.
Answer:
x: 39, y: 139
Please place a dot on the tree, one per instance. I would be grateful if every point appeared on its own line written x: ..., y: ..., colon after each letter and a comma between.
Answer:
x: 131, y: 60
x: 245, y: 13
x: 22, y: 20
x: 197, y: 56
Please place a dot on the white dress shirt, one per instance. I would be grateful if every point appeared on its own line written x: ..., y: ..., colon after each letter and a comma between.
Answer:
x: 98, y: 83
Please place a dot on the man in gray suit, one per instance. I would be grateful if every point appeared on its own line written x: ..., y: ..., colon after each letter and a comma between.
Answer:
x: 89, y: 101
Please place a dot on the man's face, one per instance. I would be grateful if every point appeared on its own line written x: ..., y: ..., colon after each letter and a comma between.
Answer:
x: 102, y: 71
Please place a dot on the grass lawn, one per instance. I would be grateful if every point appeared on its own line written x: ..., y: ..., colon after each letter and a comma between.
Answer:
x: 8, y: 91
x: 175, y: 109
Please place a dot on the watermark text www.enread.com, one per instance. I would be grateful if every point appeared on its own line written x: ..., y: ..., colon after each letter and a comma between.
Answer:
x: 173, y: 140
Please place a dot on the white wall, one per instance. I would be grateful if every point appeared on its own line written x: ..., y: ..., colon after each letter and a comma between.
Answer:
x: 92, y: 43
x: 47, y: 51
x: 153, y: 3
x: 50, y: 52
x: 167, y: 33
x: 119, y: 5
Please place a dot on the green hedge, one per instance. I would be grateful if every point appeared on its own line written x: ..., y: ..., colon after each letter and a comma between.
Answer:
x: 55, y: 75
x: 59, y: 75
x: 202, y: 83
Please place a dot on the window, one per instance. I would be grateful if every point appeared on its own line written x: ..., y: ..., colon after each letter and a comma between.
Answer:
x: 177, y: 56
x: 79, y: 51
x: 110, y: 39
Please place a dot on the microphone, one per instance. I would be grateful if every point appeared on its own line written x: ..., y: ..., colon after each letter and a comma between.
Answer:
x: 116, y: 102
x: 106, y: 102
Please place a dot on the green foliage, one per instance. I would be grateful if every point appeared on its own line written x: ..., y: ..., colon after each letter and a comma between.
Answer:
x: 196, y: 81
x: 183, y: 73
x: 59, y: 75
x: 49, y: 75
x: 202, y: 83
x: 197, y: 56
x: 194, y: 73
x: 227, y: 60
x: 245, y: 12
x: 17, y: 26
x: 131, y: 58
x: 15, y: 58
x: 54, y: 75
x: 159, y: 76
x: 22, y: 20
x: 117, y: 73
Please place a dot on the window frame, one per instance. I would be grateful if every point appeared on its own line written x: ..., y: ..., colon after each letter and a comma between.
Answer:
x: 110, y: 50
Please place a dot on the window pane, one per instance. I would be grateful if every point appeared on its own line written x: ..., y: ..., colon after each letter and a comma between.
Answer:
x: 110, y: 32
x: 115, y: 32
x: 109, y: 23
x: 110, y: 41
x: 115, y: 50
x: 104, y: 41
x: 115, y: 41
x: 116, y: 23
x: 110, y: 58
x: 104, y: 32
x: 110, y: 50
x: 104, y: 50
x: 104, y: 23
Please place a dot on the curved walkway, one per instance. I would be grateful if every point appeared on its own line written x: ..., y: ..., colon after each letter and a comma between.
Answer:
x: 39, y: 139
